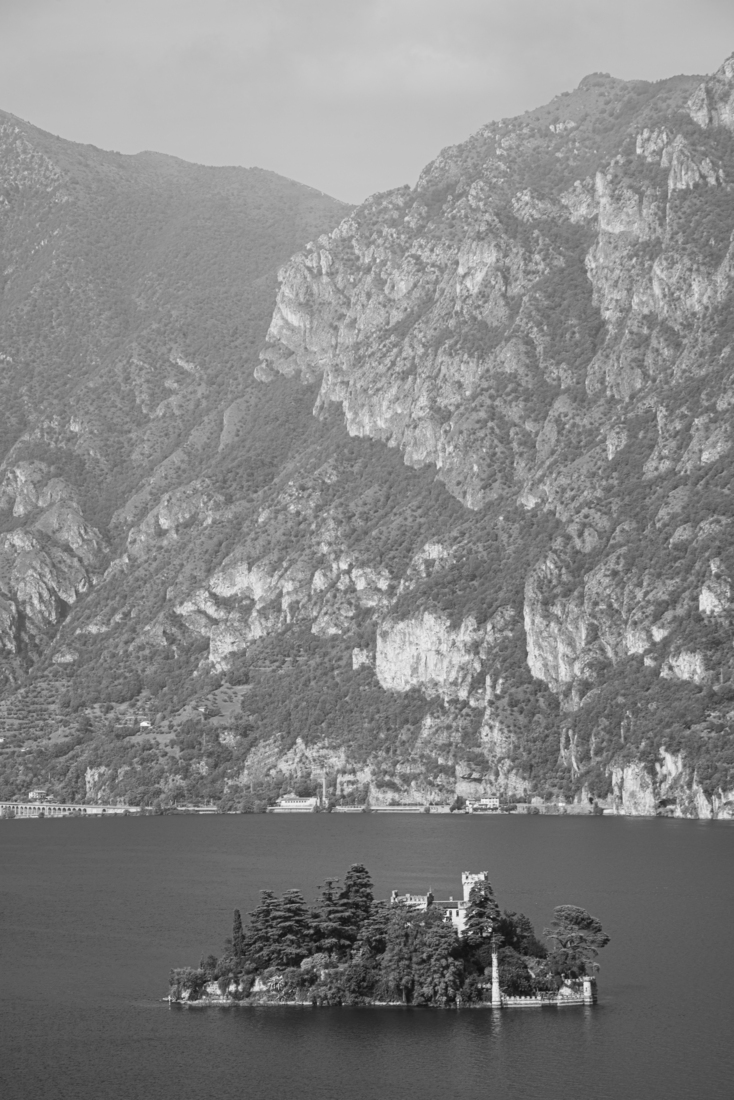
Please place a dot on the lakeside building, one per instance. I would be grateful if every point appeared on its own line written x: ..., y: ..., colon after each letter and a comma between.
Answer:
x: 489, y: 804
x: 62, y: 809
x: 455, y: 909
x: 293, y: 804
x: 404, y: 808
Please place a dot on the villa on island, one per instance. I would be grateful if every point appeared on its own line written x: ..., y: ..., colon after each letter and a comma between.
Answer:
x: 455, y: 910
x: 411, y: 949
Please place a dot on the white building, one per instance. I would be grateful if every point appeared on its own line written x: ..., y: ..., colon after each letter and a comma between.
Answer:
x: 454, y: 909
x: 41, y: 808
x: 293, y: 804
x: 482, y: 805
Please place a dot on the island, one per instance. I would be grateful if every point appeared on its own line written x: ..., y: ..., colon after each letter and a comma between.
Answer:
x: 412, y: 949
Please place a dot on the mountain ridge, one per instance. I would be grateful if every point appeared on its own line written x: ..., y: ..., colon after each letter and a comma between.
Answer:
x: 527, y: 592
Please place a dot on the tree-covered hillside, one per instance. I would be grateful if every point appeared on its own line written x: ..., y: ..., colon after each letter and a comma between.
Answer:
x: 446, y: 515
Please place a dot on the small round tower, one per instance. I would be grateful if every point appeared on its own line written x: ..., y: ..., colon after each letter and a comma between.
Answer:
x: 589, y: 986
x: 496, y: 991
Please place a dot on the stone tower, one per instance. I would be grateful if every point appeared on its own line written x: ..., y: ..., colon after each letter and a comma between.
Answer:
x: 469, y: 879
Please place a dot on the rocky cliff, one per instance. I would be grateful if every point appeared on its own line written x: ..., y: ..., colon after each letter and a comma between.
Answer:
x: 497, y: 560
x: 545, y: 319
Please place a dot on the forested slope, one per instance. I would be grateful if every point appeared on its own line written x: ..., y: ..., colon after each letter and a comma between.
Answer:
x: 498, y: 558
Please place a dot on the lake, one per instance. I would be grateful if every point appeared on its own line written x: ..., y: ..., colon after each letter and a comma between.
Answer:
x: 94, y: 913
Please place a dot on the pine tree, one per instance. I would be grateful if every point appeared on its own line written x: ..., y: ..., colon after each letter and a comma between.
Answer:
x: 372, y: 937
x: 291, y: 930
x: 516, y: 930
x: 579, y: 938
x: 259, y: 940
x: 482, y: 914
x: 358, y: 893
x: 332, y: 925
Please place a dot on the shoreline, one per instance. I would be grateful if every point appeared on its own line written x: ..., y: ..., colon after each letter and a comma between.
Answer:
x: 116, y: 815
x: 723, y: 820
x: 529, y: 1002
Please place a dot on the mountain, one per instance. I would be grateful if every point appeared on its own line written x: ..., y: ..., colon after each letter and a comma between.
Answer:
x: 498, y: 559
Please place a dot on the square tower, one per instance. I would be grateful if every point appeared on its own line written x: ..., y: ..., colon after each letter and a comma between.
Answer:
x: 470, y: 879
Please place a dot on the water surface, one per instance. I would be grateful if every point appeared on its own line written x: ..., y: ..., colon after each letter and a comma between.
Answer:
x: 93, y: 914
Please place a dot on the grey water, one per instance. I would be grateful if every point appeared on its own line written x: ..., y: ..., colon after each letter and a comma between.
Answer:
x: 93, y: 914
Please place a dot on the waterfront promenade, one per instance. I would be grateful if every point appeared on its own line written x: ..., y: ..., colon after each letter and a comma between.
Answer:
x: 62, y: 809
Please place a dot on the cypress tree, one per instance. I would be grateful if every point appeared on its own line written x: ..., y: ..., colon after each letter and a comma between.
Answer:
x: 237, y: 936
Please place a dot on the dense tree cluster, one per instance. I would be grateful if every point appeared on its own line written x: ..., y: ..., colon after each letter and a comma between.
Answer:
x: 349, y: 948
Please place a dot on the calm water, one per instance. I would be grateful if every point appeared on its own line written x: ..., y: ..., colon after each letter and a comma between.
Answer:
x: 94, y: 913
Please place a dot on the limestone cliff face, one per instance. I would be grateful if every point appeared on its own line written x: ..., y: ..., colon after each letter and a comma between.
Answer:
x: 426, y: 653
x: 424, y: 304
x: 498, y: 560
x: 542, y: 319
x: 47, y: 563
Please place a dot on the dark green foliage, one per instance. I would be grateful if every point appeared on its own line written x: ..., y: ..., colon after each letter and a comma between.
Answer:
x: 372, y: 938
x: 578, y: 939
x: 260, y: 940
x: 516, y: 931
x: 420, y: 964
x: 357, y: 897
x: 351, y: 949
x: 238, y: 942
x: 187, y: 979
x: 437, y: 967
x: 482, y: 915
x: 290, y: 929
x: 334, y: 920
x: 515, y: 978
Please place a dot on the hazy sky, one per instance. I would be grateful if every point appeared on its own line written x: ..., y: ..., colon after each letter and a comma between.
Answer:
x: 350, y: 96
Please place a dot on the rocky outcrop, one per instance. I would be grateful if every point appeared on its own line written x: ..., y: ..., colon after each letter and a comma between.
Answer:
x: 712, y: 104
x: 426, y: 653
x: 670, y: 790
x: 49, y: 562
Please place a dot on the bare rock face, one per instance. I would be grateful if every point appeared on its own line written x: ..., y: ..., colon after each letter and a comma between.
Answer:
x: 498, y: 560
x: 712, y: 104
x: 416, y: 309
x: 529, y: 319
x: 556, y: 631
x: 49, y: 563
x: 427, y: 654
